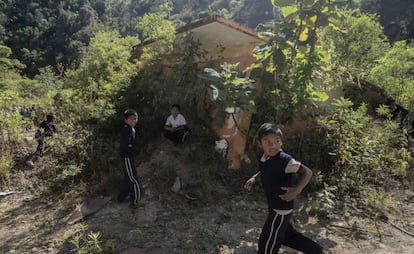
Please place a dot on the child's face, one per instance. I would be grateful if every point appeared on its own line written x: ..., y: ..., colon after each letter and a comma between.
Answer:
x: 132, y: 120
x: 174, y: 111
x: 271, y: 144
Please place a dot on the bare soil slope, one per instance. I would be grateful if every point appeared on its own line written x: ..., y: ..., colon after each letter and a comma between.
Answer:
x: 168, y: 222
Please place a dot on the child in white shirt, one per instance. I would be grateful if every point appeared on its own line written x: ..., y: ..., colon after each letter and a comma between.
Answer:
x: 175, y: 127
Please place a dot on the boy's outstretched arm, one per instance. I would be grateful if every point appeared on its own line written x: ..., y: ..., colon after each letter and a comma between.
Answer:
x: 293, y: 192
x: 249, y: 183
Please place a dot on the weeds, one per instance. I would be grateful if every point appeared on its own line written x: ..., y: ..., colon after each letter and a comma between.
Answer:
x: 377, y: 204
x: 205, y: 232
x: 322, y: 202
x: 6, y: 165
x: 87, y: 242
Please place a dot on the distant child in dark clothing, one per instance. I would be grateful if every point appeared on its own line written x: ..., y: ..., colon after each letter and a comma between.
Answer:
x: 176, y: 128
x: 276, y: 170
x: 397, y: 110
x: 127, y: 152
x: 46, y: 129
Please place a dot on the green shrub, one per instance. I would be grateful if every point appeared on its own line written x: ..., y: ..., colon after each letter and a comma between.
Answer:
x: 87, y: 242
x: 378, y: 202
x: 11, y: 123
x: 6, y: 165
x: 322, y: 202
x: 365, y: 151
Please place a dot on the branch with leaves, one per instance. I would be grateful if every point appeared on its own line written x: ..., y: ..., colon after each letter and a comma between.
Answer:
x: 229, y: 91
x: 287, y: 64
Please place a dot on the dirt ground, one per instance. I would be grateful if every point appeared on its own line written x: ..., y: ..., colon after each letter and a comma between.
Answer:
x: 168, y: 222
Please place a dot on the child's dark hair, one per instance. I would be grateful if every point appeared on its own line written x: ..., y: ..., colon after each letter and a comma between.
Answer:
x: 130, y: 112
x: 176, y: 106
x: 50, y: 117
x: 269, y: 128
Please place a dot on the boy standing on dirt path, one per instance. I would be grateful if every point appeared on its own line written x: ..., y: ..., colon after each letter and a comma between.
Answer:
x: 45, y: 130
x: 127, y: 152
x: 276, y: 169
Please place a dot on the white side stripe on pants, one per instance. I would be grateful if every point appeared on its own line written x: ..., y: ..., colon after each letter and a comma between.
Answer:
x: 275, y: 233
x: 133, y: 180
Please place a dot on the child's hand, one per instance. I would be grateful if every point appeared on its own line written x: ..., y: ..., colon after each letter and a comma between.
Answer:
x: 249, y: 183
x: 291, y: 194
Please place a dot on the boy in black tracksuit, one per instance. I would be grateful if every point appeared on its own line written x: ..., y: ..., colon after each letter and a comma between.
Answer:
x: 276, y: 172
x: 127, y: 150
x: 46, y: 129
x: 396, y: 110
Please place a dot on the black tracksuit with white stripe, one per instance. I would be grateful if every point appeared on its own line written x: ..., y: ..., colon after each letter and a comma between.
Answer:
x: 277, y: 172
x: 127, y: 151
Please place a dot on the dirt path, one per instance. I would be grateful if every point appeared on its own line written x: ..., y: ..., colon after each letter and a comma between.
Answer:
x: 169, y: 222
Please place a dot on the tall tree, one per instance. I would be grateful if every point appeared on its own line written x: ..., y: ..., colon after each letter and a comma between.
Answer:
x: 395, y: 72
x: 287, y: 65
x: 39, y: 32
x: 105, y: 70
x: 357, y: 45
x: 156, y: 27
x: 7, y: 64
x: 396, y: 16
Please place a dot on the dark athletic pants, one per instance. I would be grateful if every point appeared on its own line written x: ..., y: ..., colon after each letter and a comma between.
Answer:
x: 40, y: 145
x: 130, y: 184
x: 278, y: 230
x: 177, y: 135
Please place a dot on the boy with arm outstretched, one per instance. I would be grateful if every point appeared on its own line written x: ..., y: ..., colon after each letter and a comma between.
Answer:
x: 276, y: 170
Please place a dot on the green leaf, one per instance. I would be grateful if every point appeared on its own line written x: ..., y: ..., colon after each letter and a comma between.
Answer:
x: 319, y: 96
x: 308, y: 2
x: 264, y: 28
x: 209, y: 78
x: 336, y: 28
x: 279, y: 60
x: 267, y: 78
x: 286, y: 11
x: 282, y: 3
x: 260, y: 50
x: 323, y: 20
x: 266, y: 34
x: 255, y: 73
x: 304, y: 35
x: 302, y: 49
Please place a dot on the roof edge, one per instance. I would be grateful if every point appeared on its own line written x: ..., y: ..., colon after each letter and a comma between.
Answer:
x: 209, y: 20
x: 221, y: 20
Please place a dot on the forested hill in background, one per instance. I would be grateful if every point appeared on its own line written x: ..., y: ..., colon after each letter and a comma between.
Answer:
x: 56, y: 33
